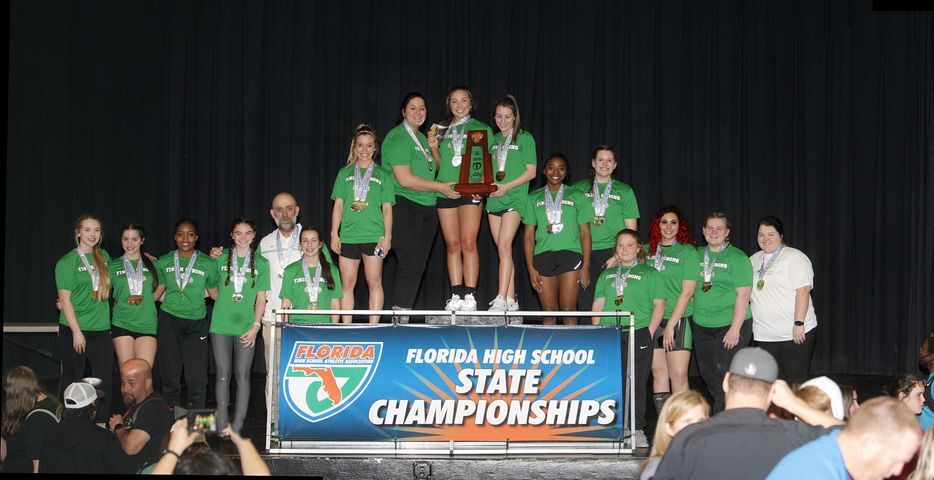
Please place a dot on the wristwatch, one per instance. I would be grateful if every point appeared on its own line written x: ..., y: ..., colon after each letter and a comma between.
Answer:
x: 799, y: 323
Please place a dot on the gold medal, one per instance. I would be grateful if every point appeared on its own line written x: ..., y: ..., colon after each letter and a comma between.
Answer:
x: 357, y: 205
x: 598, y: 220
x: 760, y: 285
x: 500, y: 176
x: 237, y: 297
x: 313, y: 306
x: 619, y: 300
x: 554, y: 228
x: 707, y: 286
x: 135, y: 299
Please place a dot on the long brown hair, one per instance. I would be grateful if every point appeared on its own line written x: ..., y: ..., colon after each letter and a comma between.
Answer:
x: 233, y: 251
x: 21, y: 387
x: 509, y: 102
x: 142, y: 256
x: 323, y: 262
x: 103, y: 288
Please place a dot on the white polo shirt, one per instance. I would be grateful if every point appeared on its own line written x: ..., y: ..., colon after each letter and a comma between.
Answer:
x: 773, y: 307
x: 267, y: 248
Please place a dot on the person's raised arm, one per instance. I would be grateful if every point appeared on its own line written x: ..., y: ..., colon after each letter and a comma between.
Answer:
x: 783, y: 397
x: 250, y: 461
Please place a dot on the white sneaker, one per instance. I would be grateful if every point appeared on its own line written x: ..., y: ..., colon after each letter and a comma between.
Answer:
x: 469, y: 304
x: 639, y: 440
x: 511, y: 305
x: 498, y: 304
x: 453, y: 303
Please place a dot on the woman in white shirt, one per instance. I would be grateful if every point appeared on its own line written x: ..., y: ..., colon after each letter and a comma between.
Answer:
x: 782, y: 311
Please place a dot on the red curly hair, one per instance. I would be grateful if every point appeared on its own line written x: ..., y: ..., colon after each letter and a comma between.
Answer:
x: 655, y: 232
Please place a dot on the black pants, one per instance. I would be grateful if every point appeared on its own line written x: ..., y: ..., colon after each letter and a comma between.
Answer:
x: 597, y: 260
x: 641, y: 370
x: 414, y: 229
x: 794, y: 360
x: 183, y: 345
x: 98, y: 353
x: 713, y: 361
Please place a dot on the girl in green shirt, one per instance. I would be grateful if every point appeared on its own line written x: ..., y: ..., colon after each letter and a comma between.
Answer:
x: 460, y: 218
x: 361, y: 220
x: 310, y: 284
x: 514, y: 158
x: 235, y: 321
x: 136, y: 284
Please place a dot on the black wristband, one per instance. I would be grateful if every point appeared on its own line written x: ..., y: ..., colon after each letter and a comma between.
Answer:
x: 169, y: 452
x: 117, y: 427
x: 799, y: 323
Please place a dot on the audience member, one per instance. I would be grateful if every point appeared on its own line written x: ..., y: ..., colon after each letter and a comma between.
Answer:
x: 77, y: 444
x: 925, y: 467
x: 878, y: 441
x: 926, y: 359
x: 835, y: 398
x: 814, y: 397
x: 908, y: 389
x: 140, y: 432
x: 29, y: 413
x: 178, y: 459
x: 742, y: 442
x: 679, y: 410
x: 850, y: 401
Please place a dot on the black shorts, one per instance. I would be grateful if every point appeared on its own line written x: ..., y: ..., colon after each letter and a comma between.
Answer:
x: 550, y: 264
x: 354, y: 251
x: 501, y: 212
x: 683, y: 340
x: 116, y: 332
x: 457, y: 202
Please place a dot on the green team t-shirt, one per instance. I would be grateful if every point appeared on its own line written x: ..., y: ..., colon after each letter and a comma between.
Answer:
x: 71, y: 275
x: 448, y: 171
x: 677, y: 264
x: 521, y: 153
x: 365, y: 226
x: 187, y: 303
x: 643, y: 286
x: 293, y: 288
x: 235, y: 318
x: 732, y: 270
x: 622, y: 205
x: 398, y: 149
x: 573, y: 214
x: 137, y: 318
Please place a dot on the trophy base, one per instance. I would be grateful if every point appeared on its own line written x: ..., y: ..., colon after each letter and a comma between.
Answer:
x: 481, y: 189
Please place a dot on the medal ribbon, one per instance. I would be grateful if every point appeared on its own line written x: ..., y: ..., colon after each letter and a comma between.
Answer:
x: 182, y: 279
x: 293, y: 240
x: 553, y: 207
x: 457, y: 138
x: 134, y: 278
x: 659, y: 258
x: 622, y: 278
x: 311, y: 285
x: 91, y: 269
x: 600, y: 202
x: 361, y: 184
x: 503, y: 151
x: 418, y: 145
x: 238, y: 275
x: 708, y: 265
x: 764, y: 268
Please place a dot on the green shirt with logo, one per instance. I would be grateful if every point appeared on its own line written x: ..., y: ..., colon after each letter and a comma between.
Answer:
x: 448, y: 171
x: 71, y: 275
x: 293, y: 288
x: 573, y: 214
x: 187, y: 303
x: 732, y: 270
x: 521, y: 154
x: 236, y: 318
x: 622, y: 205
x: 643, y: 286
x: 398, y: 149
x: 676, y: 265
x: 137, y: 318
x: 365, y: 226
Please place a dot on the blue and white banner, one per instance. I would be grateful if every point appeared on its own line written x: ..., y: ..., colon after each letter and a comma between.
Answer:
x: 480, y: 383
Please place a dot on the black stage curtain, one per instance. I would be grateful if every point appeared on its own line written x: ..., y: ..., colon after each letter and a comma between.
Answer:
x: 818, y: 112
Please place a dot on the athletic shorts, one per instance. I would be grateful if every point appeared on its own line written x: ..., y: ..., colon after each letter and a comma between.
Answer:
x: 683, y: 340
x: 457, y: 202
x: 354, y: 251
x: 116, y: 331
x: 550, y: 264
x: 500, y: 213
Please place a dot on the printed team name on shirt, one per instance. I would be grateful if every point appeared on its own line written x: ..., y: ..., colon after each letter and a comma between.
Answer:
x: 563, y: 202
x: 372, y: 179
x: 718, y: 265
x: 225, y: 269
x: 631, y: 275
x: 670, y: 259
x: 511, y: 147
x: 182, y: 269
x: 590, y: 195
x: 302, y: 280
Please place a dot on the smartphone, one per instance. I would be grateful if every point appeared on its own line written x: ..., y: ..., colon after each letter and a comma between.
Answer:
x: 379, y: 252
x: 202, y: 421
